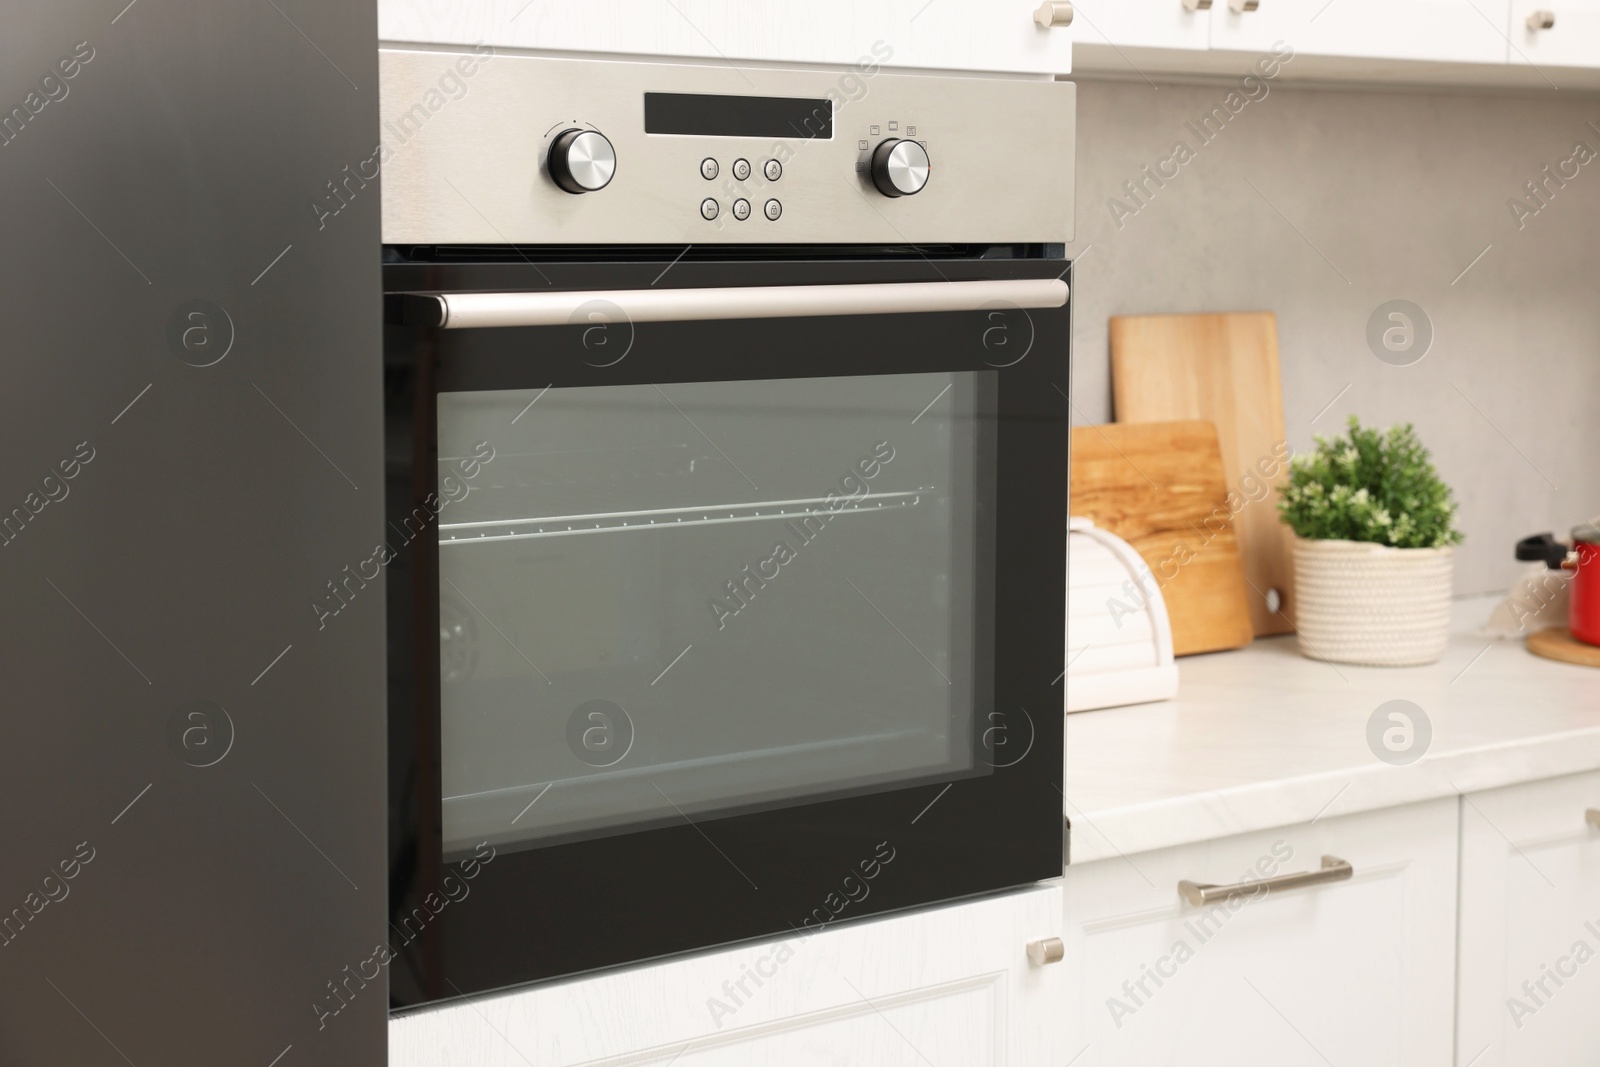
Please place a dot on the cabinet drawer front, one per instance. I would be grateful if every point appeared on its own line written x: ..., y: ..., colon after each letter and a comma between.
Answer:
x: 1439, y: 30
x: 1573, y: 41
x: 1275, y: 978
x: 948, y: 985
x: 1141, y: 24
x: 1530, y: 924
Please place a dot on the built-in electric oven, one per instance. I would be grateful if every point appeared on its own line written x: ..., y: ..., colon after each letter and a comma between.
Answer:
x: 727, y: 484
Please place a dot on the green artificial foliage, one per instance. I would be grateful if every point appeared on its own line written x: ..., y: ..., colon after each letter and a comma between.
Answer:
x: 1373, y: 485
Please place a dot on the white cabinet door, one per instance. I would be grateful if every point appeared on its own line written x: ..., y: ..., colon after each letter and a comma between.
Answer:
x: 1351, y: 972
x: 948, y: 986
x: 1530, y: 925
x: 1140, y: 24
x: 1466, y: 31
x: 938, y: 34
x: 1572, y: 41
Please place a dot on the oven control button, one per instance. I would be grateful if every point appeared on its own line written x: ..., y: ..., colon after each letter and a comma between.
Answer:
x: 773, y: 170
x: 741, y: 209
x: 741, y: 169
x: 900, y: 167
x: 582, y: 161
x: 709, y: 209
x: 773, y: 210
x: 708, y: 168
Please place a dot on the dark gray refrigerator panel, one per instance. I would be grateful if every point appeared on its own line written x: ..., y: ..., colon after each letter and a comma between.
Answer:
x: 192, y: 792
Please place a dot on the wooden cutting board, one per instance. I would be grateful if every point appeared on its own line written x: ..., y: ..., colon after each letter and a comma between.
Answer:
x: 1160, y: 487
x: 1558, y: 643
x: 1222, y: 368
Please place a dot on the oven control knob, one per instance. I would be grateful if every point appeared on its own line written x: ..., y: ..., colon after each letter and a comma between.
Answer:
x: 900, y: 167
x: 582, y: 161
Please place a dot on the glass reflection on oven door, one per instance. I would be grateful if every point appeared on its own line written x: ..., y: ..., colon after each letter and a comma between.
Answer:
x: 706, y: 598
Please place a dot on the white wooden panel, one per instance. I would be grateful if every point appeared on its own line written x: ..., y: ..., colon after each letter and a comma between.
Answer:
x: 986, y: 35
x: 1574, y: 40
x: 1436, y: 30
x: 1530, y: 912
x: 1354, y: 972
x: 1141, y: 24
x: 949, y: 985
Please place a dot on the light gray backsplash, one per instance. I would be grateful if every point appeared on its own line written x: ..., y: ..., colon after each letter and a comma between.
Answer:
x: 1361, y: 197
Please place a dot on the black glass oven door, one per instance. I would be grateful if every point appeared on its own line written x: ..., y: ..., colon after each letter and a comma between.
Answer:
x: 717, y: 611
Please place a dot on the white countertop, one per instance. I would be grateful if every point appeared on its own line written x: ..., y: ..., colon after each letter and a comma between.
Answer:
x: 1265, y: 737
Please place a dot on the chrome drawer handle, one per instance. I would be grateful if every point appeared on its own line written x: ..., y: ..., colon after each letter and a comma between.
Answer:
x: 1197, y: 5
x: 1541, y: 20
x: 1239, y: 7
x: 1333, y: 870
x: 1592, y: 817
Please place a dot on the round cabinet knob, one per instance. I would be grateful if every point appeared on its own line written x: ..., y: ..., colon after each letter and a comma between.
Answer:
x: 899, y: 167
x: 582, y: 161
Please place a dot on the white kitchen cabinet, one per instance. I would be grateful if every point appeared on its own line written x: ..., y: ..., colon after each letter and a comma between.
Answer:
x: 1572, y: 41
x: 1141, y: 24
x: 1530, y: 925
x: 1462, y: 31
x: 997, y: 35
x: 1351, y: 972
x: 950, y: 986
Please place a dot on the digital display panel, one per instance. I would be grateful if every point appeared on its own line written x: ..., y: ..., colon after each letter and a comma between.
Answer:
x: 703, y: 115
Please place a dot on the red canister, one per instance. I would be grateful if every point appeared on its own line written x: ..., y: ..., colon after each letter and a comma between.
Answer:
x: 1585, y: 615
x: 1582, y: 561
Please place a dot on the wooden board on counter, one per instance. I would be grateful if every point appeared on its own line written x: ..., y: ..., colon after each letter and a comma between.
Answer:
x: 1222, y: 368
x: 1558, y: 643
x: 1161, y: 487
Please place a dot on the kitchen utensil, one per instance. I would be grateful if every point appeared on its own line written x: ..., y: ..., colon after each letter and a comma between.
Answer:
x: 1582, y: 559
x: 1114, y: 657
x: 1224, y: 368
x: 1558, y: 643
x: 1160, y: 487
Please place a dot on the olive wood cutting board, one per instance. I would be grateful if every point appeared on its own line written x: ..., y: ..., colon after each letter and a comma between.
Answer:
x: 1222, y: 368
x: 1160, y: 487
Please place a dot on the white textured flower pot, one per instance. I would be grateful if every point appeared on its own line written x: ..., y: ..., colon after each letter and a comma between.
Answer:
x: 1372, y: 604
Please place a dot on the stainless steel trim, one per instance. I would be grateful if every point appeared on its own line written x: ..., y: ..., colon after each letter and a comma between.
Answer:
x: 473, y: 168
x: 1592, y: 817
x: 460, y: 311
x: 1200, y: 894
x: 1046, y: 950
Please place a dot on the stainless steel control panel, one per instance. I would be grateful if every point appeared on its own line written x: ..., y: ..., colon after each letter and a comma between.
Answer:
x: 485, y: 148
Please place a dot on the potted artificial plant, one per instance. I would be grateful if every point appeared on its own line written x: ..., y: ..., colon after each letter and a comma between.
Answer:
x: 1374, y: 525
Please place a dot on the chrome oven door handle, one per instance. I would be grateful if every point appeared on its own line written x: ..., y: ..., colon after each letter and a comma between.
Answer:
x: 1332, y: 870
x: 459, y: 311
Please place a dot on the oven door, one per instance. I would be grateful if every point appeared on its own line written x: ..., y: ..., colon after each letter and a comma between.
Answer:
x: 726, y: 600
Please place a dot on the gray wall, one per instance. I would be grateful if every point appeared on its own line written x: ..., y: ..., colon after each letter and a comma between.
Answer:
x: 1397, y: 191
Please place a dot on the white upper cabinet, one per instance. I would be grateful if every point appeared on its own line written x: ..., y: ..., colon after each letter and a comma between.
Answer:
x: 949, y: 985
x: 1555, y: 33
x: 1464, y: 31
x: 1141, y: 24
x: 992, y: 35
